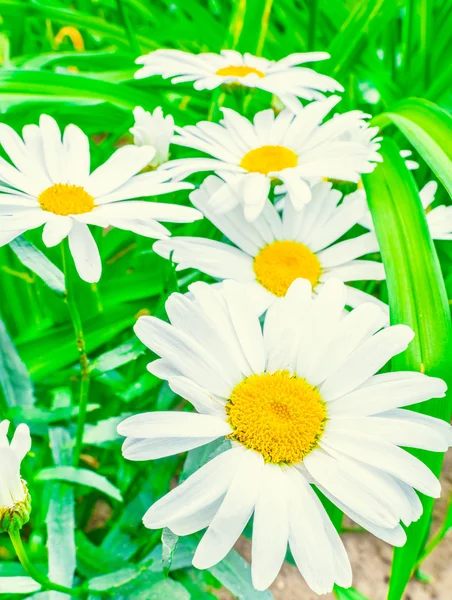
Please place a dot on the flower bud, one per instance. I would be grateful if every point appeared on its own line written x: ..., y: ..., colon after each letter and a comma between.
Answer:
x: 15, y: 500
x: 153, y: 129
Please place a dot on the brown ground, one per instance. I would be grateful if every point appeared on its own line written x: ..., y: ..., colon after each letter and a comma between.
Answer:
x: 371, y: 560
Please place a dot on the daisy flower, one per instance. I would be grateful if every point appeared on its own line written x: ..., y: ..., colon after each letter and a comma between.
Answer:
x: 49, y: 183
x: 439, y: 219
x: 299, y: 404
x: 283, y: 78
x: 292, y: 149
x: 15, y: 502
x: 153, y: 129
x: 273, y: 251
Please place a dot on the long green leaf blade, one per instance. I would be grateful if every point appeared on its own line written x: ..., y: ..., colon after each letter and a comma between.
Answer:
x: 417, y: 298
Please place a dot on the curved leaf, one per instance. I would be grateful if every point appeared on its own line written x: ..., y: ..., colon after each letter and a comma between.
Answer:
x: 429, y: 129
x: 80, y: 477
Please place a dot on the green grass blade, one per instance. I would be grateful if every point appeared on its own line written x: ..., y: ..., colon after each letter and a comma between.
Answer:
x: 429, y: 129
x: 26, y: 85
x: 417, y: 298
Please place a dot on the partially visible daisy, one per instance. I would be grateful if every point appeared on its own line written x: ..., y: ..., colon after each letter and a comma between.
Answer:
x: 273, y: 251
x: 292, y: 149
x: 15, y: 501
x: 283, y: 78
x: 153, y: 129
x: 49, y: 183
x: 439, y: 219
x: 300, y: 405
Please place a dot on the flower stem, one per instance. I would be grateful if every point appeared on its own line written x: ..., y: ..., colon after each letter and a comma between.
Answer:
x: 35, y: 573
x: 83, y: 357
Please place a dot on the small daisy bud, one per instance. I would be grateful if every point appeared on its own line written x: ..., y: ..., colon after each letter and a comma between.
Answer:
x: 153, y: 129
x: 15, y: 500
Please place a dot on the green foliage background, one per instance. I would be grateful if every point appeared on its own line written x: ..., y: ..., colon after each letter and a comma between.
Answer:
x: 393, y: 58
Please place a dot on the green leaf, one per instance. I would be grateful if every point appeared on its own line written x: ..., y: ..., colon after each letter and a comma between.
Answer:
x: 169, y: 544
x: 37, y: 262
x: 429, y: 129
x: 33, y: 414
x: 80, y: 477
x: 104, y: 431
x: 60, y: 518
x: 18, y: 585
x: 349, y: 594
x: 417, y: 298
x: 14, y: 378
x: 166, y: 590
x: 114, y: 580
x: 234, y: 572
x: 21, y: 86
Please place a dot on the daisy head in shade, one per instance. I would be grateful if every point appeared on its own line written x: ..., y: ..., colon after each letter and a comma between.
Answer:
x: 274, y: 250
x: 49, y: 183
x: 15, y: 501
x: 297, y: 404
x: 439, y: 218
x: 288, y: 148
x: 283, y: 78
x: 155, y: 130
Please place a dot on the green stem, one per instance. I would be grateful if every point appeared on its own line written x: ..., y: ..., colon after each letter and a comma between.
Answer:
x: 84, y: 362
x: 264, y: 26
x: 35, y: 573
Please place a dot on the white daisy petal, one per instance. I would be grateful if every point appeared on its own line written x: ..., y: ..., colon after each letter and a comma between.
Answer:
x: 206, y: 485
x: 392, y: 459
x: 309, y: 542
x: 122, y: 165
x: 395, y: 536
x: 191, y: 358
x: 55, y: 230
x: 270, y: 528
x: 233, y: 514
x: 84, y: 252
x: 247, y: 327
x: 209, y: 256
x: 353, y: 485
x: 387, y: 391
x: 367, y: 360
x: 202, y: 401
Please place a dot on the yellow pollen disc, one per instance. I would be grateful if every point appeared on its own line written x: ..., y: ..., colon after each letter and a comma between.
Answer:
x: 239, y: 71
x: 269, y: 158
x: 280, y: 263
x: 64, y: 199
x: 278, y: 415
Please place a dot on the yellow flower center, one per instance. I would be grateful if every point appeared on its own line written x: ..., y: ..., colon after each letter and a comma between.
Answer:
x: 278, y: 265
x: 65, y: 199
x: 269, y: 158
x: 278, y: 415
x: 239, y: 71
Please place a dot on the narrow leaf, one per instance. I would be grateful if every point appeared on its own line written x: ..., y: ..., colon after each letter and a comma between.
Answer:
x: 80, y: 477
x: 417, y: 298
x: 14, y: 378
x: 37, y: 262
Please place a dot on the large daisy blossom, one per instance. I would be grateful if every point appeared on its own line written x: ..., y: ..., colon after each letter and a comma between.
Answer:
x: 439, y: 219
x: 300, y: 404
x: 49, y: 183
x: 153, y: 129
x: 273, y: 251
x: 293, y: 149
x: 14, y: 497
x: 283, y: 78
